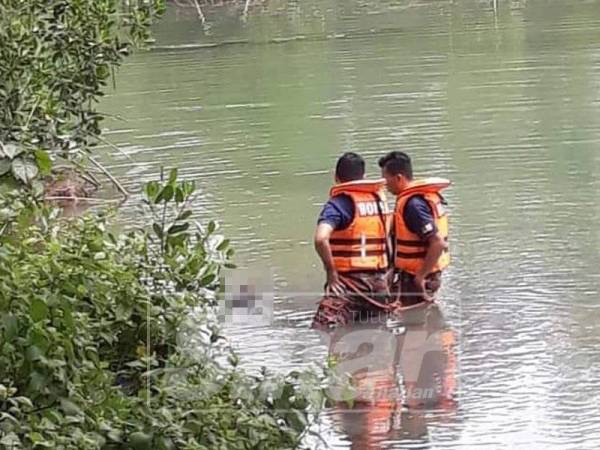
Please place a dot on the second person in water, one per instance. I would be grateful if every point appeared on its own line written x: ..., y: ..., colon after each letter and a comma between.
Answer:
x: 419, y: 230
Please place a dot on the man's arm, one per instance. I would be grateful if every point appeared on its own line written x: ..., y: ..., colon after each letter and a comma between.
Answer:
x: 322, y: 235
x: 419, y: 219
x: 436, y: 247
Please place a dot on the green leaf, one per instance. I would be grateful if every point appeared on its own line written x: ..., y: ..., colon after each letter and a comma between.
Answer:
x: 179, y: 195
x: 6, y: 416
x: 10, y: 325
x: 24, y: 170
x: 38, y: 440
x: 177, y: 241
x: 173, y: 176
x: 166, y: 194
x: 70, y: 408
x: 208, y: 279
x: 38, y: 309
x: 174, y: 229
x: 212, y: 226
x: 140, y: 441
x: 38, y: 381
x: 165, y: 443
x: 223, y: 245
x: 157, y: 230
x: 43, y: 161
x: 185, y: 215
x: 11, y: 440
x: 10, y: 150
x: 298, y: 420
x: 22, y: 400
x: 5, y: 166
x: 68, y: 317
x: 189, y: 187
x: 33, y: 353
x: 115, y: 436
x: 151, y: 190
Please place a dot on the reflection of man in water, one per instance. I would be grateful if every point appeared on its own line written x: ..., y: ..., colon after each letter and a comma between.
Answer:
x: 427, y: 359
x: 393, y: 377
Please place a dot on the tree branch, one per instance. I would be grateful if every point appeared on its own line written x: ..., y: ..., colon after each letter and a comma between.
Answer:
x: 110, y: 177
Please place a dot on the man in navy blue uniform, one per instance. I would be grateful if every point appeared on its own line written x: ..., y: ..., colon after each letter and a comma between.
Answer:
x: 352, y: 242
x: 420, y: 229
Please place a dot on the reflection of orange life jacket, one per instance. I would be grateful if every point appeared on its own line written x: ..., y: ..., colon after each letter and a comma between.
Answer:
x: 363, y: 244
x: 449, y: 379
x: 410, y: 248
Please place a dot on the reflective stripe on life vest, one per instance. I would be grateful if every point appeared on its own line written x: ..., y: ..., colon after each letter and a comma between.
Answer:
x: 411, y: 250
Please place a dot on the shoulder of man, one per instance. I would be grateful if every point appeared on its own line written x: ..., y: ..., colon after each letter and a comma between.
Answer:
x: 418, y: 217
x: 338, y: 211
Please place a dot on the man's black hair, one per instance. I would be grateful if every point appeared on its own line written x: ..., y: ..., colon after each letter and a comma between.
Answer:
x: 397, y: 163
x: 350, y: 167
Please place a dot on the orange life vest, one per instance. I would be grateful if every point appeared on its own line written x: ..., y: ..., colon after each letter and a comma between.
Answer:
x: 410, y: 248
x: 363, y: 244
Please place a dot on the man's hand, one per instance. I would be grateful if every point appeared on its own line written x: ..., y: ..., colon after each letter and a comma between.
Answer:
x: 436, y: 246
x: 334, y: 286
x: 420, y: 283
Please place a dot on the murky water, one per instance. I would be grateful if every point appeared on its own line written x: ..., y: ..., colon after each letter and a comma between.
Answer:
x: 505, y: 103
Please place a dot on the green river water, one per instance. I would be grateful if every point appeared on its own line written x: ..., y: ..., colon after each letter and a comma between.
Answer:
x: 503, y: 101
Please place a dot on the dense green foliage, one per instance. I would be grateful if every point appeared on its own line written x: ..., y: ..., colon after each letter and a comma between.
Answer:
x: 109, y: 340
x: 56, y: 57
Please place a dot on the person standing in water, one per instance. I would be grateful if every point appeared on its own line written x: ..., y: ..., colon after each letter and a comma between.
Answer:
x: 352, y: 241
x: 419, y: 230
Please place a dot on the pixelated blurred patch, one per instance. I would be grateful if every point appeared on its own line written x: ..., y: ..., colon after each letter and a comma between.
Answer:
x: 245, y: 301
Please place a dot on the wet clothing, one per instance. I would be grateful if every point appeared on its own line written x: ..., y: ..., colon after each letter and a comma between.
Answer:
x: 350, y: 307
x: 404, y: 289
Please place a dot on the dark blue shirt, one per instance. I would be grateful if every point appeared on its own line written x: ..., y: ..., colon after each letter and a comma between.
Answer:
x: 338, y: 212
x: 418, y: 217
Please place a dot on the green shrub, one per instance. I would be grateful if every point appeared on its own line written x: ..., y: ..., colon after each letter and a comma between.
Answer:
x: 108, y: 340
x: 56, y: 57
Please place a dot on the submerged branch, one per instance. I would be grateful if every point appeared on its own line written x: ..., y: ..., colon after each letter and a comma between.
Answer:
x: 200, y: 13
x: 81, y: 199
x: 110, y: 177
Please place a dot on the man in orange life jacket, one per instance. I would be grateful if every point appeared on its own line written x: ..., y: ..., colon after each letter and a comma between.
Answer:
x: 352, y: 242
x: 420, y: 230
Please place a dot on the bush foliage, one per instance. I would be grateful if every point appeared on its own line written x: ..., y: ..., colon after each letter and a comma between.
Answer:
x: 109, y: 340
x: 56, y: 58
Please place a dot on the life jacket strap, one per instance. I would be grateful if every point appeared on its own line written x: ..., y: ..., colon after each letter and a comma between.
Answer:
x: 356, y: 241
x: 356, y: 253
x: 416, y: 255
